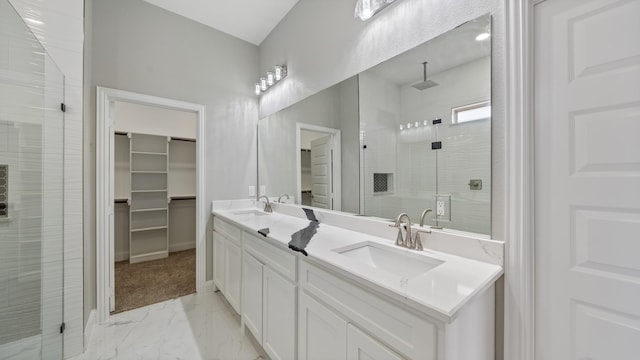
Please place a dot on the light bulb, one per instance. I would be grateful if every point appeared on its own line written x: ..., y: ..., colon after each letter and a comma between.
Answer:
x: 401, y: 127
x: 425, y: 123
x: 408, y: 125
x: 263, y: 84
x: 270, y: 78
x: 280, y: 72
x: 258, y: 89
x: 416, y: 124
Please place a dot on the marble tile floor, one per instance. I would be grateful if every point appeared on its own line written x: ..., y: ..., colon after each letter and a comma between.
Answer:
x: 192, y: 327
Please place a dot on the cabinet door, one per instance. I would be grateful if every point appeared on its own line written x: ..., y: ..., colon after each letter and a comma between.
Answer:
x: 218, y: 260
x: 361, y: 346
x: 252, y: 295
x: 321, y: 333
x: 233, y: 274
x: 278, y: 315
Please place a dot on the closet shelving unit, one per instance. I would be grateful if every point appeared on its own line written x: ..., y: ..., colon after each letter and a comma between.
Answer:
x: 149, y: 197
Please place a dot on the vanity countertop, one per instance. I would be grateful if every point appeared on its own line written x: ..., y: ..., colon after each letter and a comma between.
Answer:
x: 440, y: 292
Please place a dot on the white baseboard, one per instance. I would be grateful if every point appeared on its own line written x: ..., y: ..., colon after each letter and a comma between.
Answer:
x: 124, y: 255
x: 182, y: 246
x: 88, y: 329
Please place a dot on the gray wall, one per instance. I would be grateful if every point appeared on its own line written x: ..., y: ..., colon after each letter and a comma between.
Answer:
x: 142, y: 48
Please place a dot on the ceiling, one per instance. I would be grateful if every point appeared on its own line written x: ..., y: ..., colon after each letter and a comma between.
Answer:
x: 249, y: 20
x: 449, y: 50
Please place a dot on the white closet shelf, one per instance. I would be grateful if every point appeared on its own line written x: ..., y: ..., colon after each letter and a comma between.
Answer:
x: 148, y: 172
x: 149, y: 228
x: 147, y: 210
x: 148, y: 191
x: 148, y: 153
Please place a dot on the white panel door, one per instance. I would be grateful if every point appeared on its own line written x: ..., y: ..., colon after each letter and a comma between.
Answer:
x: 587, y: 179
x: 233, y: 274
x: 321, y: 334
x: 361, y: 346
x: 252, y: 295
x: 278, y: 316
x: 321, y: 173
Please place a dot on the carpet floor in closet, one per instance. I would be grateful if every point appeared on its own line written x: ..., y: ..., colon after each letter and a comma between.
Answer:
x: 150, y: 282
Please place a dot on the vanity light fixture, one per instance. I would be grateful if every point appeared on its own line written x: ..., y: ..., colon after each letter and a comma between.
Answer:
x: 483, y: 36
x: 281, y: 72
x: 365, y: 9
x: 270, y: 78
x: 273, y: 77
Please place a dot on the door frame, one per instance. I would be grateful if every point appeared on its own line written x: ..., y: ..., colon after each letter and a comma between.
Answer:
x: 518, y: 226
x: 336, y: 176
x: 105, y: 98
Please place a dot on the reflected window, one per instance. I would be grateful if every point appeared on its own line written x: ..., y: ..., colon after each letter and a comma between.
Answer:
x: 471, y: 112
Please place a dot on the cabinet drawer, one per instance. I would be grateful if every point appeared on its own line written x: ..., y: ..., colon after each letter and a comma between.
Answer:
x: 277, y: 259
x: 232, y: 232
x: 401, y: 330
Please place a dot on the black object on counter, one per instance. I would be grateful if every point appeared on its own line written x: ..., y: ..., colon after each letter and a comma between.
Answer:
x: 300, y: 239
x: 264, y: 232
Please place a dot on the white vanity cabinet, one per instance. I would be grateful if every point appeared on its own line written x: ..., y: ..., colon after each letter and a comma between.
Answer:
x: 339, y: 319
x: 269, y: 297
x: 227, y: 264
x: 361, y: 346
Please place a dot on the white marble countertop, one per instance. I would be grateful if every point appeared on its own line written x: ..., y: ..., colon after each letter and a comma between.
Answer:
x: 440, y: 292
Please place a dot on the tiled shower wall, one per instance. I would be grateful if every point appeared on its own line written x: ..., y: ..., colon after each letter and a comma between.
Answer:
x: 407, y: 154
x: 59, y: 26
x: 31, y: 140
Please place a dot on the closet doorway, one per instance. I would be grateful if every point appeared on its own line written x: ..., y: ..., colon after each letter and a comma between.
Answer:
x: 318, y: 166
x: 151, y: 211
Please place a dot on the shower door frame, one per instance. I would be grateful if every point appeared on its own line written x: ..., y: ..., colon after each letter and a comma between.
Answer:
x: 105, y: 98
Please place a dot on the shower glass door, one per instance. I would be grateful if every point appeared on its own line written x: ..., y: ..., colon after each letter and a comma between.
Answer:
x: 31, y: 194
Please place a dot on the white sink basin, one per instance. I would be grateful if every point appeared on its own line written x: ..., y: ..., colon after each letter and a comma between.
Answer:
x: 395, y: 261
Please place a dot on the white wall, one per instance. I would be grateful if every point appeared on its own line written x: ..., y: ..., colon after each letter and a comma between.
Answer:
x: 59, y: 27
x: 153, y: 120
x: 142, y: 48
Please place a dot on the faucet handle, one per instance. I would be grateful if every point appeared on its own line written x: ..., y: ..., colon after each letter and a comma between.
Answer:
x: 418, y: 240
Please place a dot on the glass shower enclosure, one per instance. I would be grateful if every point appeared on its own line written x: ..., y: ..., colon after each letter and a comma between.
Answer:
x: 31, y: 194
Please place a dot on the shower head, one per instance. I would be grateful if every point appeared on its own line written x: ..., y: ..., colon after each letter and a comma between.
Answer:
x: 425, y: 84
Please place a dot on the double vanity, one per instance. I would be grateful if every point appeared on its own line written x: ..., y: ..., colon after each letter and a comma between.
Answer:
x: 351, y: 292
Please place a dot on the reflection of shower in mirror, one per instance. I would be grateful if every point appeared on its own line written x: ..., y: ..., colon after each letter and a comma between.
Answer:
x: 425, y: 84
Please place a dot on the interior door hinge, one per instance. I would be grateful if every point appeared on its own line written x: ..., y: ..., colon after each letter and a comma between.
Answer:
x: 62, y: 327
x: 63, y: 107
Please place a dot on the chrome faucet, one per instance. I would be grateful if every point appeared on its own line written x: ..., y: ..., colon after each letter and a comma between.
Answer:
x: 281, y: 196
x: 424, y: 213
x: 403, y: 241
x: 267, y: 206
x: 410, y: 242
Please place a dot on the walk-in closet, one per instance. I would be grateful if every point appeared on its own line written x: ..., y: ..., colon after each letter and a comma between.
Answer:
x: 155, y: 204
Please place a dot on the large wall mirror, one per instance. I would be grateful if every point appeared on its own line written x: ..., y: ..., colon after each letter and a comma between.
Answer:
x: 411, y: 133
